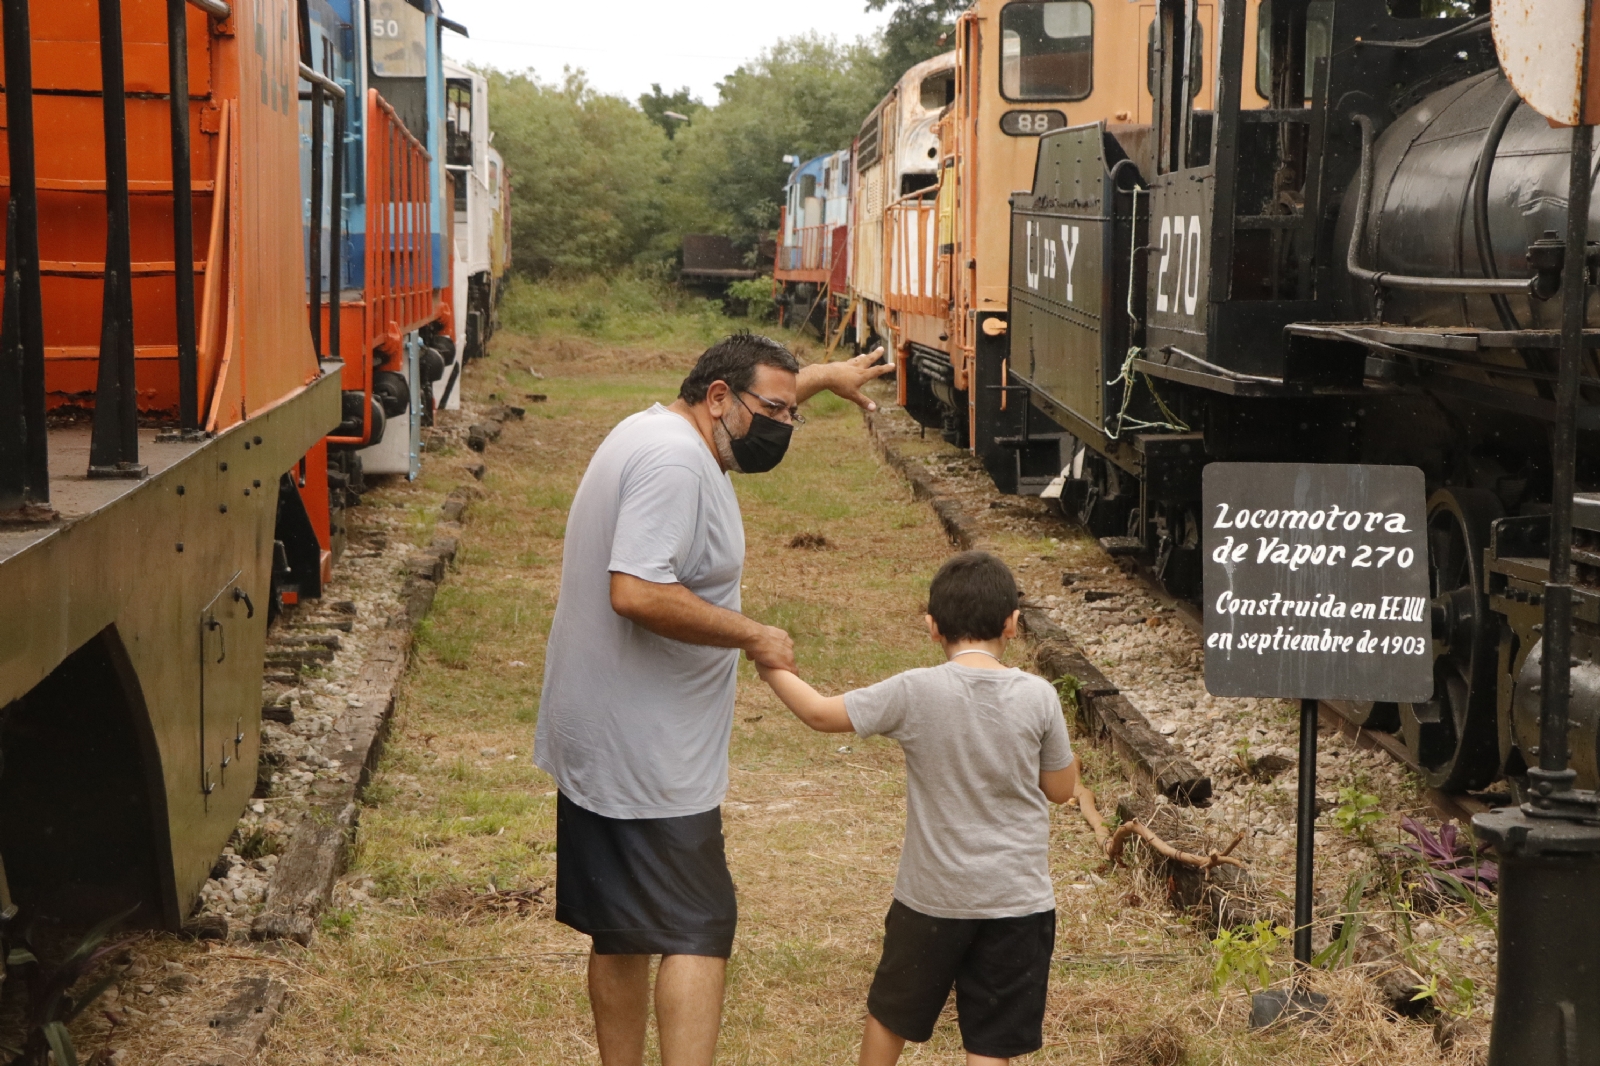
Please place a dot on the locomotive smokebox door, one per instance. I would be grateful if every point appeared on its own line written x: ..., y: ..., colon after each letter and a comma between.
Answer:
x: 1317, y: 582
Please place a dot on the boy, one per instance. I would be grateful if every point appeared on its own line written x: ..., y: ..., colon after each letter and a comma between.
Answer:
x: 985, y: 747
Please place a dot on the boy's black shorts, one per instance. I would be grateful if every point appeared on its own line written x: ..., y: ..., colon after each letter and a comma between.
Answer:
x: 1000, y: 968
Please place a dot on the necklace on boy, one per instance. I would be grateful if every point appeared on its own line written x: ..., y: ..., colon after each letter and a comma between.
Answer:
x: 977, y: 651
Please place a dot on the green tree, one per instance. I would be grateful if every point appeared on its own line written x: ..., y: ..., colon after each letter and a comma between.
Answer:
x: 662, y: 106
x: 917, y: 30
x: 587, y: 173
x: 803, y: 96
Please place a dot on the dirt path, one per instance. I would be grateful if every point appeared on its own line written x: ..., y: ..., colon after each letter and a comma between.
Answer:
x: 448, y: 952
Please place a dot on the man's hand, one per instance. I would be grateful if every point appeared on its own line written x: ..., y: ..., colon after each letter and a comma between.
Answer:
x: 674, y: 612
x: 772, y: 649
x: 845, y: 379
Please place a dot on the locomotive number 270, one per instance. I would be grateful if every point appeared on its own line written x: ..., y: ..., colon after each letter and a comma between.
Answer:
x: 1180, y: 258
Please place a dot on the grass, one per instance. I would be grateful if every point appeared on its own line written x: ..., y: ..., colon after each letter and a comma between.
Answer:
x: 629, y: 308
x: 457, y: 812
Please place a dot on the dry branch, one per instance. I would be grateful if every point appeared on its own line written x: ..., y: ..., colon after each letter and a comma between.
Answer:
x: 1162, y: 848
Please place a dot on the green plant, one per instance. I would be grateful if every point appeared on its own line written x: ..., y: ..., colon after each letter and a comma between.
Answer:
x: 338, y: 922
x: 51, y: 1004
x: 256, y: 843
x: 1246, y: 954
x: 1357, y: 813
x: 1342, y: 945
x: 757, y: 296
x: 1067, y: 687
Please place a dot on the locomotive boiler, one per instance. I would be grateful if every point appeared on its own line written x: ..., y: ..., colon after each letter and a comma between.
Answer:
x: 1360, y: 271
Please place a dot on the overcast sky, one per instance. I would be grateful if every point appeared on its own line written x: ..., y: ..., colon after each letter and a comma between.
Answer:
x: 624, y: 45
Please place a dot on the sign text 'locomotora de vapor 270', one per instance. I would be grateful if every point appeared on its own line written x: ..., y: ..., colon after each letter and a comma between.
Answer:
x: 1316, y: 582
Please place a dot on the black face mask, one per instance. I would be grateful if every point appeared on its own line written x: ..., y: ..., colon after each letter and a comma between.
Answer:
x: 763, y: 445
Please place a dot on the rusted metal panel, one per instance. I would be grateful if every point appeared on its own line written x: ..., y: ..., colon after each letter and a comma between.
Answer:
x: 1540, y: 44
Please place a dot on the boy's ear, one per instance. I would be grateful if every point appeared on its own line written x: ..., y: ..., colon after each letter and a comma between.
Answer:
x: 1013, y: 626
x: 933, y: 629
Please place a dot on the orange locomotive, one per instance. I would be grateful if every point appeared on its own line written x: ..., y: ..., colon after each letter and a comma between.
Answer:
x: 165, y: 412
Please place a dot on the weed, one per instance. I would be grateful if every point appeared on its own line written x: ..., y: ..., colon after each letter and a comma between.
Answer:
x: 338, y: 922
x: 1357, y: 813
x: 1246, y: 954
x: 1342, y: 946
x: 257, y: 843
x: 51, y: 1004
x: 1067, y: 687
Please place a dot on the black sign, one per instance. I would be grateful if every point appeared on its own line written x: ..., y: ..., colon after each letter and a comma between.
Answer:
x: 1316, y: 582
x: 1032, y: 123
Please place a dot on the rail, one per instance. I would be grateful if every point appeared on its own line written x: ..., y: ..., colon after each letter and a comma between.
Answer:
x: 321, y: 88
x: 918, y: 277
x: 813, y: 249
x: 217, y: 9
x: 399, y: 260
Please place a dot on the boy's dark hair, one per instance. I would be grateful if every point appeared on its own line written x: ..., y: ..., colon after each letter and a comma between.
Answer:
x: 734, y: 360
x: 971, y: 597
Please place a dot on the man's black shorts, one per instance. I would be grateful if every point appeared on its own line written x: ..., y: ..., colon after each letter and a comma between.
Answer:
x: 645, y: 886
x: 1000, y: 968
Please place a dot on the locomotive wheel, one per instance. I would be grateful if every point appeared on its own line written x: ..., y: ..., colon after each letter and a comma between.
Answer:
x: 1452, y: 737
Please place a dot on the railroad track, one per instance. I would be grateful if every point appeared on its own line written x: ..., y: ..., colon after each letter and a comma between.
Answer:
x: 1334, y: 714
x: 966, y: 503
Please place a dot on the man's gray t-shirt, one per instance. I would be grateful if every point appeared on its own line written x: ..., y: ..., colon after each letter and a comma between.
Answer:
x: 977, y: 823
x: 631, y: 724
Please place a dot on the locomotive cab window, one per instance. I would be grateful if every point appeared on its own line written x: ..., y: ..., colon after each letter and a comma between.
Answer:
x: 399, y: 35
x: 1197, y: 59
x: 1319, y: 38
x: 458, y: 123
x: 1047, y: 50
x: 938, y: 90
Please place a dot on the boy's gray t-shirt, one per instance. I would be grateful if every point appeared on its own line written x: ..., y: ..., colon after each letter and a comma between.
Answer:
x: 977, y: 823
x: 631, y: 724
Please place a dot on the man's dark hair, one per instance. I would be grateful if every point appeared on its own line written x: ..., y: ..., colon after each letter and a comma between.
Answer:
x: 734, y: 360
x: 971, y: 597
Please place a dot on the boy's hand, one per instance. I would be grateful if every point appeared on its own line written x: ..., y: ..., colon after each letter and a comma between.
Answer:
x: 825, y: 714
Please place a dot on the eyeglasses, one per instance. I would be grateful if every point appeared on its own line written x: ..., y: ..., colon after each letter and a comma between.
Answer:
x: 777, y: 409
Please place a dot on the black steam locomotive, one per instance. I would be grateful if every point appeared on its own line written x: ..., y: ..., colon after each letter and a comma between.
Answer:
x: 1362, y: 271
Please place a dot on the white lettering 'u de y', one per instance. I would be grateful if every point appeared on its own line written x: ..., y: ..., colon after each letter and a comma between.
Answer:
x: 1069, y: 248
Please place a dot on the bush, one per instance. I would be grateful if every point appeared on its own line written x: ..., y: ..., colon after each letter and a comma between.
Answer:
x: 756, y: 295
x: 627, y: 307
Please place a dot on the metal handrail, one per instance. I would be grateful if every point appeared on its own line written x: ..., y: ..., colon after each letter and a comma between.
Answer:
x: 329, y: 86
x: 217, y: 9
x: 399, y: 242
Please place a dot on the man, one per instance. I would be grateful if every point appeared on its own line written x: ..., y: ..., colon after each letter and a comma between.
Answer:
x: 639, y: 683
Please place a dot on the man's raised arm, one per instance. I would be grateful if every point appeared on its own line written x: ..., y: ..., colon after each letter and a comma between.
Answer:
x: 844, y: 379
